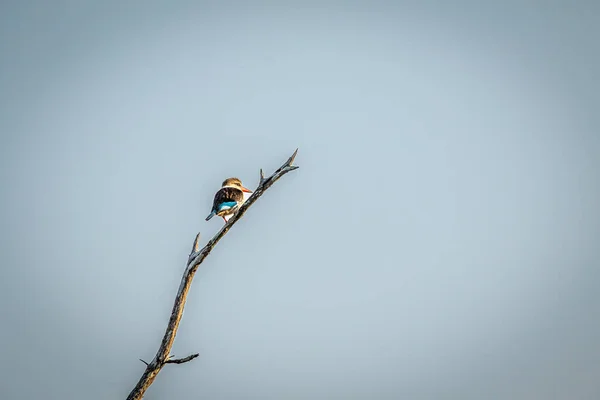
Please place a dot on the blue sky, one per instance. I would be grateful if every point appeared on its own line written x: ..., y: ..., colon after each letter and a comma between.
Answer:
x: 440, y: 239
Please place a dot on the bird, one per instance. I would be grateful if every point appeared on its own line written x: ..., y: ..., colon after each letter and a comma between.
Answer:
x: 231, y: 195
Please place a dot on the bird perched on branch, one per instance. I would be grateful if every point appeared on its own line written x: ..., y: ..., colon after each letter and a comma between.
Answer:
x: 231, y: 195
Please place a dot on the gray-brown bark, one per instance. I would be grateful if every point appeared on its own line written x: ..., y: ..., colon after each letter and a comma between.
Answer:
x: 195, y: 258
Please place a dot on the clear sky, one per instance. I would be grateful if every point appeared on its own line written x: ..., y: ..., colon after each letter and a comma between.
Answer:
x: 440, y: 240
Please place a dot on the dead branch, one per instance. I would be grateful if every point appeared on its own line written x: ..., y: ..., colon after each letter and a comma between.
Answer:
x: 195, y: 258
x: 182, y: 360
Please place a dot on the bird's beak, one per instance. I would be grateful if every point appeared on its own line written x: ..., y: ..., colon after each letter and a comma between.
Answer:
x: 246, y: 190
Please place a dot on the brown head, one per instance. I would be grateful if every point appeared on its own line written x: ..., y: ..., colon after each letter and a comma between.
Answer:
x: 235, y: 182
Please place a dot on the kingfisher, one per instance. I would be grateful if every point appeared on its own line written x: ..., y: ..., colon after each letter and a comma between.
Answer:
x: 231, y: 195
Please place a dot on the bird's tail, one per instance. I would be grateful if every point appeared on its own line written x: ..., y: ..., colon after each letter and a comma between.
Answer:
x: 212, y: 214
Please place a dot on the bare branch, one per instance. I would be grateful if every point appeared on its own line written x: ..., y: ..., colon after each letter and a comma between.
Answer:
x: 194, y: 260
x: 196, y: 245
x: 262, y: 177
x: 182, y: 360
x: 292, y: 158
x: 143, y: 361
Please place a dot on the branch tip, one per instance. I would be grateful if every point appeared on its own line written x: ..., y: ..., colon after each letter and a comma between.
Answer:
x: 292, y: 158
x: 196, y: 245
x: 182, y: 360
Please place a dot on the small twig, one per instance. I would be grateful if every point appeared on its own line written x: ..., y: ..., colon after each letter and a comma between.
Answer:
x: 196, y: 257
x: 182, y: 360
x: 143, y: 361
x: 262, y: 177
x: 196, y: 245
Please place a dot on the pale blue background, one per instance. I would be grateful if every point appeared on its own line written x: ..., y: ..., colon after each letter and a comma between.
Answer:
x: 440, y: 240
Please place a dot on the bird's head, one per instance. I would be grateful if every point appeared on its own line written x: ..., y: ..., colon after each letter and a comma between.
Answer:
x: 235, y: 182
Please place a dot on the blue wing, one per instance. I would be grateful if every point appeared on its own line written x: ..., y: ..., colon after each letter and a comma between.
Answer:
x: 226, y: 204
x: 222, y: 206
